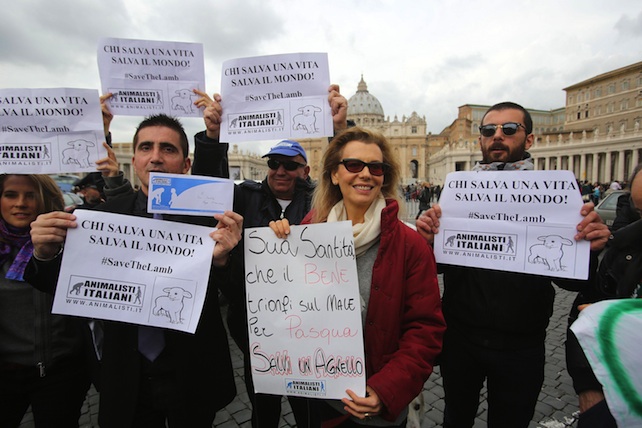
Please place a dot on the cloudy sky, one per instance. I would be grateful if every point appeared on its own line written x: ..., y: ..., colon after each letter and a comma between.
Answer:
x: 424, y: 56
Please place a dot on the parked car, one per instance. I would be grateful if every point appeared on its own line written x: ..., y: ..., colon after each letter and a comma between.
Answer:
x: 607, y: 206
x: 65, y: 181
x: 72, y: 201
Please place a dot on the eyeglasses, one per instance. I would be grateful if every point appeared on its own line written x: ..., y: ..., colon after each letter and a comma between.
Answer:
x: 509, y: 128
x: 355, y: 165
x: 287, y: 164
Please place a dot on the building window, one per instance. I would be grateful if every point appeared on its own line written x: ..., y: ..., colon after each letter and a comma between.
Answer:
x: 580, y: 97
x: 625, y: 85
x: 611, y: 89
x: 413, y: 130
x: 586, y: 114
x: 598, y: 92
x: 414, y: 151
x: 624, y: 104
x: 570, y: 99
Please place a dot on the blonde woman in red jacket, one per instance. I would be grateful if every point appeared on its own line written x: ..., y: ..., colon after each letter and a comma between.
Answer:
x: 401, y: 308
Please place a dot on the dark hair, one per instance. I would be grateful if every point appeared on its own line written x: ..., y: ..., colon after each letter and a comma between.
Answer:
x: 48, y: 193
x: 507, y: 105
x: 327, y: 194
x: 635, y: 172
x: 167, y: 122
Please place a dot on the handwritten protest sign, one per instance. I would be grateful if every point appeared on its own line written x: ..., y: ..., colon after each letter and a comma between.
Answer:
x: 276, y: 96
x: 609, y: 333
x: 45, y: 131
x: 189, y: 194
x: 517, y: 221
x: 151, y: 77
x: 304, y: 311
x: 135, y: 270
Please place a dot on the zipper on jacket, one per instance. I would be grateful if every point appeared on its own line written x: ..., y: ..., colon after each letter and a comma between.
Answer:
x: 41, y: 369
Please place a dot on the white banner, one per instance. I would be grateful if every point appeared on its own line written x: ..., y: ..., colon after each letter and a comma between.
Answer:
x: 304, y: 311
x: 151, y: 77
x: 276, y: 97
x: 136, y: 270
x: 47, y: 131
x: 517, y: 221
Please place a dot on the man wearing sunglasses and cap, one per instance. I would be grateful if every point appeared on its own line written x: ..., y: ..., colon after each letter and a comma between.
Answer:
x: 285, y: 193
x: 497, y: 320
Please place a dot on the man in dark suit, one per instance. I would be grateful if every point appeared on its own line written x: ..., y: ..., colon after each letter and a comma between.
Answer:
x: 192, y: 376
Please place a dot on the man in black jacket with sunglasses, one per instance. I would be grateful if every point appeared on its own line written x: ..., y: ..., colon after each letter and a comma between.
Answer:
x: 496, y: 319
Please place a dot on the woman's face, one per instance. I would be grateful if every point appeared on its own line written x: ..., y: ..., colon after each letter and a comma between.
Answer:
x: 18, y: 203
x: 359, y: 189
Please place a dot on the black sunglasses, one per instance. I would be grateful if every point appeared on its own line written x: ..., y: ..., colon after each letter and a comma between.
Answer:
x: 287, y: 164
x: 509, y: 128
x: 355, y: 165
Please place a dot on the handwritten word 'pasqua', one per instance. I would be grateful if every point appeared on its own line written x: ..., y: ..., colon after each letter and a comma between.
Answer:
x: 296, y: 331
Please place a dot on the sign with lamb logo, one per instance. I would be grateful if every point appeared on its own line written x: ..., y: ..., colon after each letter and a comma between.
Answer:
x: 46, y: 131
x: 135, y: 270
x: 276, y: 97
x: 517, y: 221
x: 150, y: 77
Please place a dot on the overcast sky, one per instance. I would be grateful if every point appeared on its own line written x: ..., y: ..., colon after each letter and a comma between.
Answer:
x: 424, y: 56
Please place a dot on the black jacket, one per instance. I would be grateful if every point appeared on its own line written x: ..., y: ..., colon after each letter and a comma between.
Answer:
x: 200, y: 361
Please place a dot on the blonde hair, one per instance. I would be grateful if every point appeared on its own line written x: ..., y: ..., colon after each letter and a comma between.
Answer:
x: 326, y: 194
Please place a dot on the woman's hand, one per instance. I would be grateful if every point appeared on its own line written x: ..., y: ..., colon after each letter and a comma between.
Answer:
x: 362, y: 407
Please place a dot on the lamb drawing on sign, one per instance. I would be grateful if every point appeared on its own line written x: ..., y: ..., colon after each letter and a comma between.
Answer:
x: 183, y: 101
x: 77, y: 153
x: 306, y: 119
x: 171, y: 304
x: 550, y: 252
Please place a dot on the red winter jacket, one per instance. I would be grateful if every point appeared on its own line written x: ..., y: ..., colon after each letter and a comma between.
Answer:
x: 404, y: 324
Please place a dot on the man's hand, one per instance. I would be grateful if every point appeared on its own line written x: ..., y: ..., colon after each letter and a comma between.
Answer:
x: 48, y: 233
x: 592, y: 228
x: 428, y: 223
x: 227, y: 235
x: 339, y: 106
x: 281, y: 228
x: 212, y: 113
x: 108, y: 166
x: 107, y: 115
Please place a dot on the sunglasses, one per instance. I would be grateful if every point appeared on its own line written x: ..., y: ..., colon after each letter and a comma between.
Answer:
x: 355, y: 165
x: 288, y: 164
x: 509, y: 128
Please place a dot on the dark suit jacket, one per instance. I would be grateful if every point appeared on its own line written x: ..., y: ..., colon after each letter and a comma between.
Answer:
x: 200, y: 361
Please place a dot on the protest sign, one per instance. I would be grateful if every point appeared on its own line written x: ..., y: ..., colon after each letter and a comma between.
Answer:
x: 609, y: 333
x: 151, y: 77
x: 46, y: 131
x: 304, y: 311
x: 136, y: 270
x: 276, y: 97
x: 517, y: 221
x: 189, y: 194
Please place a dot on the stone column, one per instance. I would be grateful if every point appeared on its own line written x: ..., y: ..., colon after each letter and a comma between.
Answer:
x: 620, y: 166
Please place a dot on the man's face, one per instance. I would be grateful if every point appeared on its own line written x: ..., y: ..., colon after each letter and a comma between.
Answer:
x: 501, y: 147
x: 158, y: 150
x: 91, y: 194
x: 281, y: 181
